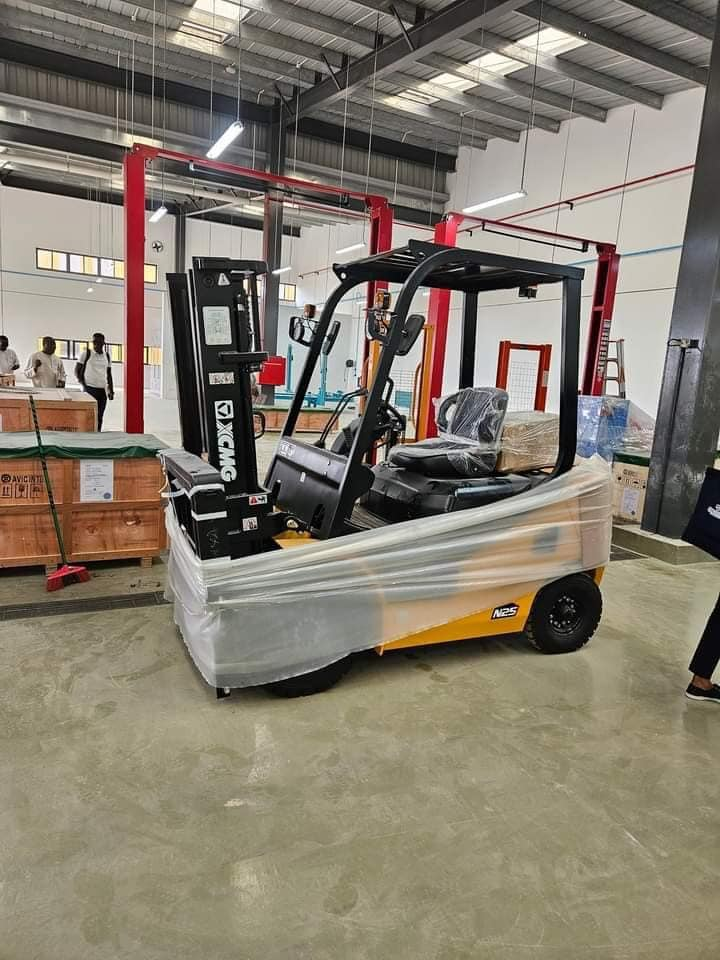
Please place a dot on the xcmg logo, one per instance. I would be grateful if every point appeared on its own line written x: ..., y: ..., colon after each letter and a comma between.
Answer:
x: 224, y: 414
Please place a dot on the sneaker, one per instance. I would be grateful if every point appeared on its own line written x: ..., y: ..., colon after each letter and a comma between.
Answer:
x: 697, y: 693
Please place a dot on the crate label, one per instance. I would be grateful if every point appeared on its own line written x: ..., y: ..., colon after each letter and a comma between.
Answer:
x: 21, y: 486
x: 96, y: 481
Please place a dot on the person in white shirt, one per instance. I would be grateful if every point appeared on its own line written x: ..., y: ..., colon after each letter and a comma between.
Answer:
x: 8, y: 358
x: 44, y: 368
x: 94, y: 372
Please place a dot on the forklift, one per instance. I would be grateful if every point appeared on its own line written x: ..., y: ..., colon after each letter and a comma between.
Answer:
x: 312, y: 492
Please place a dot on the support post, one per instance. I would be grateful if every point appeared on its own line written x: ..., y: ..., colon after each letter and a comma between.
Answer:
x: 134, y: 372
x: 433, y: 364
x: 468, y: 342
x: 686, y: 431
x: 272, y: 242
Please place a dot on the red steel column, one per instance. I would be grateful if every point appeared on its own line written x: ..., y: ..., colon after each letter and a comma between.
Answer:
x: 435, y: 337
x: 601, y: 315
x: 134, y: 374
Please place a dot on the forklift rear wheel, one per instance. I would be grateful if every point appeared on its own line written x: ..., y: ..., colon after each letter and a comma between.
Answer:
x: 309, y: 683
x: 565, y: 615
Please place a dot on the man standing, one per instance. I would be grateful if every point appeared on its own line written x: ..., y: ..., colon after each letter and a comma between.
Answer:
x: 8, y: 358
x: 44, y: 368
x: 94, y: 372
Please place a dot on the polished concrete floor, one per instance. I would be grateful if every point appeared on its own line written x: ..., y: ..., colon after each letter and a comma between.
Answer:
x: 458, y: 803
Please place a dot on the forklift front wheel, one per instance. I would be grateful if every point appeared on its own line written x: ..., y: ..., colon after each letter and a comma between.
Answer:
x: 565, y: 615
x: 309, y: 683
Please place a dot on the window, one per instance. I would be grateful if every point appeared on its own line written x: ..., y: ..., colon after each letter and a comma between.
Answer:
x: 288, y: 293
x: 152, y: 356
x: 150, y: 273
x: 87, y: 265
x: 73, y: 350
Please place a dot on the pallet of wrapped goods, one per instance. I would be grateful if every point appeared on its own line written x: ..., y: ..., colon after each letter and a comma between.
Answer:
x: 529, y: 441
x: 107, y: 490
x: 66, y: 410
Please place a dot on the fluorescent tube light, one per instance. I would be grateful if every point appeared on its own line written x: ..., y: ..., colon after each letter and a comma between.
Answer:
x: 225, y: 139
x: 281, y: 270
x: 158, y: 214
x: 353, y: 246
x: 495, y: 201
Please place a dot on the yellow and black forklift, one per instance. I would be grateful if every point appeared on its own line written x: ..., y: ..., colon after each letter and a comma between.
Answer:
x: 539, y: 577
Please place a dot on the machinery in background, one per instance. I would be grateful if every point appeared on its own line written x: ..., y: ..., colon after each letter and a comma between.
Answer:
x: 618, y: 362
x: 312, y: 492
x: 524, y: 377
x: 301, y: 330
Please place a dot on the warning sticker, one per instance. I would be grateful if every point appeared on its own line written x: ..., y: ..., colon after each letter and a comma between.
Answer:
x: 21, y: 486
x: 221, y: 379
x: 223, y: 280
x: 250, y: 523
x: 257, y: 498
x: 216, y: 321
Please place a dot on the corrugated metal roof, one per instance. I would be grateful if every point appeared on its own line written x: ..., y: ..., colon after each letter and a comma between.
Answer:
x: 354, y: 16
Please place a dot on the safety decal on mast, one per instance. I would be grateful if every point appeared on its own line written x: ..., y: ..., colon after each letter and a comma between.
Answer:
x: 223, y: 280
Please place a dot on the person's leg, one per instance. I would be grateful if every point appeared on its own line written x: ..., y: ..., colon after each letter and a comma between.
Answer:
x: 707, y: 654
x: 100, y: 397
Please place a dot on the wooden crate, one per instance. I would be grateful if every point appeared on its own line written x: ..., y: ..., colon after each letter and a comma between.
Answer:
x: 310, y: 420
x: 57, y: 410
x: 128, y: 526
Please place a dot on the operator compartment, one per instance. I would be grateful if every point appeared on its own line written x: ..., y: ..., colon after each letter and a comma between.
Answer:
x: 308, y: 480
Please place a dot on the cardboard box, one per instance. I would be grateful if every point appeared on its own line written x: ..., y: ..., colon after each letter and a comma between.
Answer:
x: 529, y: 441
x: 630, y: 476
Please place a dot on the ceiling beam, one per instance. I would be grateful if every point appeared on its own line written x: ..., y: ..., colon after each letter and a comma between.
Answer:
x: 487, y: 40
x: 108, y: 74
x: 294, y: 13
x: 387, y: 125
x: 472, y: 102
x: 676, y: 14
x: 518, y: 88
x: 90, y: 14
x: 385, y: 119
x: 434, y: 115
x: 608, y: 39
x: 191, y: 94
x: 248, y: 34
x: 387, y: 146
x: 449, y: 24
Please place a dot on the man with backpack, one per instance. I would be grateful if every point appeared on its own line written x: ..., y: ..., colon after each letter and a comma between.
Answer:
x: 94, y: 371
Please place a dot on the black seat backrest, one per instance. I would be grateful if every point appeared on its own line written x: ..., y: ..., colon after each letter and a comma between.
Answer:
x: 474, y: 413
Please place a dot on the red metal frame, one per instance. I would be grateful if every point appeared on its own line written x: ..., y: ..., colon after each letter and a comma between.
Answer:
x: 601, y: 314
x: 503, y: 368
x: 600, y: 317
x: 134, y: 164
x: 435, y: 337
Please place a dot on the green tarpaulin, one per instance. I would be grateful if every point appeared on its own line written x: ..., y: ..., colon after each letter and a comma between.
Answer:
x: 80, y: 446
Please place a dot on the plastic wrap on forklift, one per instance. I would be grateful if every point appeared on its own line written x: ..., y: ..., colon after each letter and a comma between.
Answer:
x: 287, y: 612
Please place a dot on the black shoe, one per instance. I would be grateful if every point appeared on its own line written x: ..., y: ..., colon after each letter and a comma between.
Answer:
x: 697, y: 693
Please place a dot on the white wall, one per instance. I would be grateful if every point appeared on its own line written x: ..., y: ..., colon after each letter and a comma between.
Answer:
x: 36, y: 303
x: 587, y: 156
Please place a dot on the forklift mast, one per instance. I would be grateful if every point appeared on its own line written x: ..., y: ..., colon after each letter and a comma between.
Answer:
x: 218, y: 347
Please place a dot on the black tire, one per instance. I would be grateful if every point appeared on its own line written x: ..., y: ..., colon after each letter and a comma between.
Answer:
x: 565, y: 615
x: 309, y: 683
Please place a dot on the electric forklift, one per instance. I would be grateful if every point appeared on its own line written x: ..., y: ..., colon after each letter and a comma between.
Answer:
x: 315, y: 493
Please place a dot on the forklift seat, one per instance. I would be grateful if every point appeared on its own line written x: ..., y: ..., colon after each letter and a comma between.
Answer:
x: 470, y: 423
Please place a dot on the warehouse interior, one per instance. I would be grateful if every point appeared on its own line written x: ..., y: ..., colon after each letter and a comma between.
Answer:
x: 352, y: 583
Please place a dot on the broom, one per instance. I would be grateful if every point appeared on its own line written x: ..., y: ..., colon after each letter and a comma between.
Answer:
x: 67, y: 573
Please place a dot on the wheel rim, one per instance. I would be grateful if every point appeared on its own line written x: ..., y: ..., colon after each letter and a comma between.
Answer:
x: 565, y: 615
